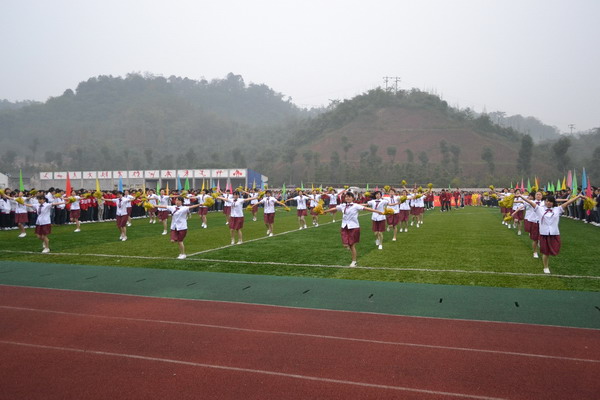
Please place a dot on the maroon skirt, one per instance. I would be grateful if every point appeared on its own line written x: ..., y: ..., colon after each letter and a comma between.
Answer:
x: 178, y: 236
x: 404, y: 215
x: 129, y: 211
x: 269, y: 218
x: 527, y: 226
x: 227, y: 210
x: 75, y: 214
x: 254, y: 208
x: 21, y: 218
x: 202, y: 210
x: 519, y: 216
x: 121, y: 221
x: 163, y: 215
x: 350, y: 236
x: 378, y: 226
x: 302, y: 213
x: 534, y: 231
x: 43, y: 230
x: 393, y: 219
x: 236, y: 223
x: 550, y: 244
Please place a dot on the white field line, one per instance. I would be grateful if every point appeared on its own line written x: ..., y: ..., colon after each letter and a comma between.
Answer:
x: 300, y: 334
x: 405, y: 268
x: 246, y: 370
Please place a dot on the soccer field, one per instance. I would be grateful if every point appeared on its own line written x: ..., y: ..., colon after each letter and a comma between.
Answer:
x: 464, y: 247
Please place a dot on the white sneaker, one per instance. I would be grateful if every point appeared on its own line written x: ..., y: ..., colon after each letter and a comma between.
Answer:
x: 377, y: 242
x: 353, y: 264
x: 181, y: 257
x: 380, y: 247
x: 546, y: 270
x: 333, y: 220
x: 305, y: 227
x: 232, y: 241
x: 254, y: 219
x: 129, y: 224
x: 535, y: 255
x: 270, y: 234
x: 23, y: 234
x: 77, y: 230
x: 226, y: 223
x: 418, y: 225
x: 164, y: 232
x: 121, y: 237
x: 405, y: 229
x: 239, y: 242
x: 46, y: 250
x: 317, y: 224
x: 411, y: 224
x: 124, y: 238
x: 268, y: 231
x: 300, y: 228
x: 393, y: 239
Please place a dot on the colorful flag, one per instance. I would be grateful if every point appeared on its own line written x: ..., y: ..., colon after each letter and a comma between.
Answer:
x: 97, y: 185
x: 583, y: 180
x: 283, y: 191
x: 302, y: 185
x: 68, y: 186
x: 187, y: 184
x: 528, y: 185
x: 254, y: 184
x: 588, y: 191
x: 557, y: 185
x: 228, y: 185
x: 570, y: 179
x: 537, y: 183
x: 522, y: 185
x: 21, y: 186
x: 564, y: 184
x: 167, y: 190
x: 120, y: 184
x: 574, y: 183
x: 202, y: 184
x: 178, y: 184
x: 367, y: 186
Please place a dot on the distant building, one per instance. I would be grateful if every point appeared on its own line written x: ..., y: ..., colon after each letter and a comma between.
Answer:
x: 3, y: 180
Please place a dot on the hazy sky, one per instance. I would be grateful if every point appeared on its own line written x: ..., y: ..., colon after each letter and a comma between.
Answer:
x: 539, y: 58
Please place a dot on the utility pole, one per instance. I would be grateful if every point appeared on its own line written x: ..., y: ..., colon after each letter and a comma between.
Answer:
x: 571, y: 126
x: 395, y: 79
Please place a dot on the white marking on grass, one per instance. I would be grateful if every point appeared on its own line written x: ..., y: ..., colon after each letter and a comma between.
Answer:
x: 252, y: 240
x: 405, y: 268
x: 309, y: 335
x: 247, y: 370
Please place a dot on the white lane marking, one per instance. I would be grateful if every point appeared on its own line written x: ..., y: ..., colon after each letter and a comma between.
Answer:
x: 329, y: 337
x: 248, y: 370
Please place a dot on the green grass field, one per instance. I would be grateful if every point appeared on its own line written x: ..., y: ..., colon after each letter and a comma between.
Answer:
x: 463, y: 247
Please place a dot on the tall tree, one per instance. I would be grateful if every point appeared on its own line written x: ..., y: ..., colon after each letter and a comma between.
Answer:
x: 391, y: 151
x: 525, y: 153
x: 487, y: 155
x: 560, y: 149
x: 346, y: 146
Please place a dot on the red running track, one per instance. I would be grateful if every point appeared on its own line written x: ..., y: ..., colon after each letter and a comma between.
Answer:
x: 57, y: 344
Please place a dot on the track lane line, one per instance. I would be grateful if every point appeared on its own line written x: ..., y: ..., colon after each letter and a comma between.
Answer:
x: 247, y: 370
x: 308, y: 335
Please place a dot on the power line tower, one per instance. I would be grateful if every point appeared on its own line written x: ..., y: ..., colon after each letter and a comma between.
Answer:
x: 388, y: 79
x: 571, y: 126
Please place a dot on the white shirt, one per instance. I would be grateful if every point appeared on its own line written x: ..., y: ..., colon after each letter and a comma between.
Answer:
x: 5, y: 206
x: 75, y: 204
x: 20, y: 208
x: 202, y: 199
x: 530, y: 214
x: 549, y: 218
x: 237, y: 208
x: 269, y: 203
x: 122, y: 205
x: 379, y: 205
x: 43, y: 212
x: 301, y: 202
x: 350, y: 214
x: 396, y: 200
x: 153, y: 199
x: 49, y: 197
x: 333, y: 199
x: 58, y: 200
x: 186, y: 199
x: 229, y: 201
x: 314, y: 199
x: 164, y: 200
x: 179, y: 217
x: 405, y: 205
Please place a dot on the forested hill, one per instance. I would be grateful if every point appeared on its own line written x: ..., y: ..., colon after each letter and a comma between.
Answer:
x: 139, y: 120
